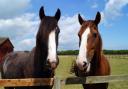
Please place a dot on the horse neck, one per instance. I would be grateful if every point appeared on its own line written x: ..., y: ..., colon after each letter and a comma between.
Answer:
x: 41, y: 49
x: 95, y: 63
x: 40, y: 56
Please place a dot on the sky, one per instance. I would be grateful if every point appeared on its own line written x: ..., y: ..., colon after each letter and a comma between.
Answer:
x: 19, y: 20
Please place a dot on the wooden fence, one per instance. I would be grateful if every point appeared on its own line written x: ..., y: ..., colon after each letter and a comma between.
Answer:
x: 59, y: 81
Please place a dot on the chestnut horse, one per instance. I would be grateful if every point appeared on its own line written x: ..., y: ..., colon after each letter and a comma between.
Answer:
x: 42, y: 61
x: 90, y: 60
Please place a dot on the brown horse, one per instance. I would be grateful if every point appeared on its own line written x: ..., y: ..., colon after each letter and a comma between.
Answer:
x: 90, y: 60
x: 42, y: 61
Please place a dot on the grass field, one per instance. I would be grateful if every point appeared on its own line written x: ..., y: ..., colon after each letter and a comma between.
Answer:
x: 118, y: 67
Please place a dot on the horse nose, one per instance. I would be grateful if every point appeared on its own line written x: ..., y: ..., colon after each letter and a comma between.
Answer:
x: 52, y: 64
x: 84, y: 64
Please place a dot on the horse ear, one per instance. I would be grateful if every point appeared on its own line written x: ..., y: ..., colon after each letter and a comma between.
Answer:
x: 80, y: 19
x: 97, y: 18
x: 41, y: 13
x: 58, y: 14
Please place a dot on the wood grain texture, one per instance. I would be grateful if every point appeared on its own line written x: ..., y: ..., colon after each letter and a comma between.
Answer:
x: 26, y: 82
x: 94, y: 79
x: 64, y: 81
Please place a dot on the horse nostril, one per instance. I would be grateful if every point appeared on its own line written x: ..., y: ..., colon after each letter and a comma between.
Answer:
x: 85, y: 63
x: 53, y: 65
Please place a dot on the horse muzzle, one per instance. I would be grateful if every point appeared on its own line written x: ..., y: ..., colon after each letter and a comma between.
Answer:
x: 53, y: 65
x: 87, y: 67
x: 83, y: 66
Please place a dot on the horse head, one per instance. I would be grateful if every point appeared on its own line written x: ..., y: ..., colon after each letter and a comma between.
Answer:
x: 89, y: 42
x: 47, y: 38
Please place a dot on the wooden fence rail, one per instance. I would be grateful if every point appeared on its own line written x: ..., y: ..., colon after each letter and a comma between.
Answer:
x: 59, y: 81
x: 26, y: 82
x: 94, y: 79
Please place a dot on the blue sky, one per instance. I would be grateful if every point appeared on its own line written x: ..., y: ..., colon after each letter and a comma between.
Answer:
x: 19, y: 21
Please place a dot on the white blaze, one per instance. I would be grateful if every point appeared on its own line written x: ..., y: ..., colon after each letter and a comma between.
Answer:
x: 52, y: 47
x: 83, y: 48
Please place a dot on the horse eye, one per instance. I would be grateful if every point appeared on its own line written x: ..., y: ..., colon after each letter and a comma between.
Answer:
x: 94, y: 35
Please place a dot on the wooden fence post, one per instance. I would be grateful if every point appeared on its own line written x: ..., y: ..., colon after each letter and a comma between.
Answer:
x: 57, y: 83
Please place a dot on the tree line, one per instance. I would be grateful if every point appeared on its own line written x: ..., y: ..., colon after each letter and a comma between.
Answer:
x: 109, y: 52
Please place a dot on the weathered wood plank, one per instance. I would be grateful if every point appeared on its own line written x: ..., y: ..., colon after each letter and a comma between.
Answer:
x: 26, y: 82
x: 105, y: 79
x: 59, y: 81
x: 94, y: 79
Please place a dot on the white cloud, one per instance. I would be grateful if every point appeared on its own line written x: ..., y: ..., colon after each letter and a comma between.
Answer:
x: 12, y: 8
x: 69, y: 27
x: 113, y: 9
x: 26, y: 44
x: 27, y: 41
x: 18, y: 26
x: 20, y: 29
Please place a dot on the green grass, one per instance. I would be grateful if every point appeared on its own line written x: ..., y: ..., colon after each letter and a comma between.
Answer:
x: 118, y: 67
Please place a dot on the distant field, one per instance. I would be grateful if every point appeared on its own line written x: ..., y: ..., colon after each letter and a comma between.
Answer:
x: 118, y: 67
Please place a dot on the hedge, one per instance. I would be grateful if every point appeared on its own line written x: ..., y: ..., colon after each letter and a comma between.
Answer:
x: 75, y: 52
